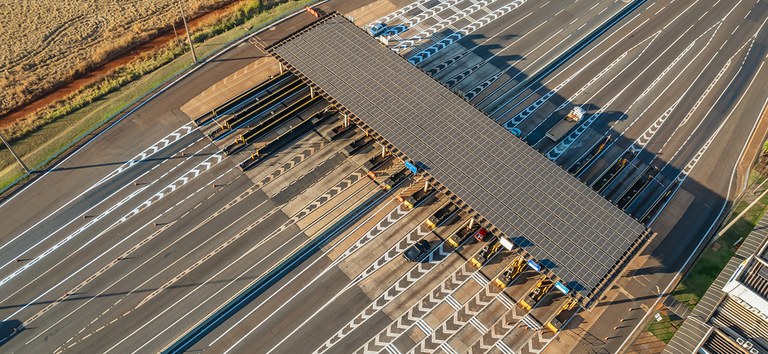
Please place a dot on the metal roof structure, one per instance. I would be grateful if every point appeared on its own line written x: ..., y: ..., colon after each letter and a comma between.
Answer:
x: 731, y: 316
x: 557, y: 220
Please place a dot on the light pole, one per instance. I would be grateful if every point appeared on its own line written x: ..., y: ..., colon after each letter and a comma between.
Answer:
x: 189, y: 38
x: 23, y: 166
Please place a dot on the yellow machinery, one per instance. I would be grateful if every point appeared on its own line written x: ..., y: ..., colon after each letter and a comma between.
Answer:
x: 515, y: 268
x: 459, y: 236
x: 486, y: 253
x: 541, y: 288
x: 556, y: 323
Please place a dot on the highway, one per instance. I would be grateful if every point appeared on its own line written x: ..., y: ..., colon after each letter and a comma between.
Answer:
x: 151, y: 228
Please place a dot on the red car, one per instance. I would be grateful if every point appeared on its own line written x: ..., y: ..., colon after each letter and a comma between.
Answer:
x: 480, y: 234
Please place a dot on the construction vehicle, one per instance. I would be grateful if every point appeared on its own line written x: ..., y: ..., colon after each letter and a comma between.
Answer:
x: 509, y: 274
x: 486, y: 253
x: 458, y: 237
x: 441, y: 215
x: 564, y: 126
x: 558, y: 321
x: 394, y: 179
x: 541, y: 288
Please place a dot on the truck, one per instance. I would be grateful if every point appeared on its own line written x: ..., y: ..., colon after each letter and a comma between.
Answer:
x: 564, y: 126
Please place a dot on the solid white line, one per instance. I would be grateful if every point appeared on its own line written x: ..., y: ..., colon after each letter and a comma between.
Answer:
x: 117, y: 171
x: 158, y: 93
x: 232, y: 281
x: 175, y: 240
x: 85, y: 227
x: 330, y: 249
x: 715, y: 221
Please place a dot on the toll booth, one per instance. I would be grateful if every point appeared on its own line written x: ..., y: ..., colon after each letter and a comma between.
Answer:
x: 538, y: 292
x: 443, y: 214
x: 561, y: 317
x: 486, y: 253
x: 415, y: 194
x: 514, y: 269
x: 460, y: 235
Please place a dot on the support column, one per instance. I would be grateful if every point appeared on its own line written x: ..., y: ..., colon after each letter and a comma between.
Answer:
x: 426, y: 185
x: 471, y: 222
x: 383, y: 151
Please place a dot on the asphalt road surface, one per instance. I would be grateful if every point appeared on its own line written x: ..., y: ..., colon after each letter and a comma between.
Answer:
x: 149, y: 229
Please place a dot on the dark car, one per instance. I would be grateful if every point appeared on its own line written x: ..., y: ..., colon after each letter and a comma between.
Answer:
x: 417, y: 251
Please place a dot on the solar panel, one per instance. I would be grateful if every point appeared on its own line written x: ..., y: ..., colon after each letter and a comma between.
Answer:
x: 565, y: 224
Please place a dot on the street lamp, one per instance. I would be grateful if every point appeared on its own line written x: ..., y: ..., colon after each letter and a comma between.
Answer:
x: 189, y: 38
x: 18, y: 159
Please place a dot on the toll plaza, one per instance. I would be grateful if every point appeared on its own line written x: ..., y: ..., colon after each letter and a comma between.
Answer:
x: 567, y: 234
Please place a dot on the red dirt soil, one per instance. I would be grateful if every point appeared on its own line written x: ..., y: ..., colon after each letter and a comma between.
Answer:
x: 102, y: 70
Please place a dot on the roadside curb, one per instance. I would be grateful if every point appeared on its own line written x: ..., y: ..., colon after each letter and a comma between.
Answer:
x: 61, y: 156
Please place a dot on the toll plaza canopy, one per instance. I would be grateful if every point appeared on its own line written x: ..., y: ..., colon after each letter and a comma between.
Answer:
x: 560, y: 222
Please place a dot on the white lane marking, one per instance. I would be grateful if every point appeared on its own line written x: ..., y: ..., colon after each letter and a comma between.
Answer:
x: 443, y: 292
x: 274, y: 234
x: 80, y: 231
x: 563, y: 145
x: 147, y: 261
x: 532, y: 108
x: 502, y: 87
x: 103, y: 200
x: 85, y: 282
x: 477, y: 324
x: 453, y: 37
x: 158, y: 146
x: 426, y: 14
x: 399, y: 13
x: 465, y: 73
x: 53, y: 248
x: 162, y: 90
x: 423, y: 326
x: 429, y: 32
x: 722, y: 209
x: 325, y: 253
x: 450, y: 61
x: 295, y: 161
x: 450, y: 300
x: 171, y: 306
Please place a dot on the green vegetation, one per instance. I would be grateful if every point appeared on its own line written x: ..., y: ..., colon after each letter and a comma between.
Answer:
x: 46, y: 133
x: 664, y: 329
x: 714, y: 258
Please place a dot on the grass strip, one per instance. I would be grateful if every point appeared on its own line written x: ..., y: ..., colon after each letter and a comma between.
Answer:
x: 52, y: 131
x: 664, y: 329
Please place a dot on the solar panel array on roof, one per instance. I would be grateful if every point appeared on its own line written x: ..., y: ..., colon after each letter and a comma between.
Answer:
x: 557, y: 219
